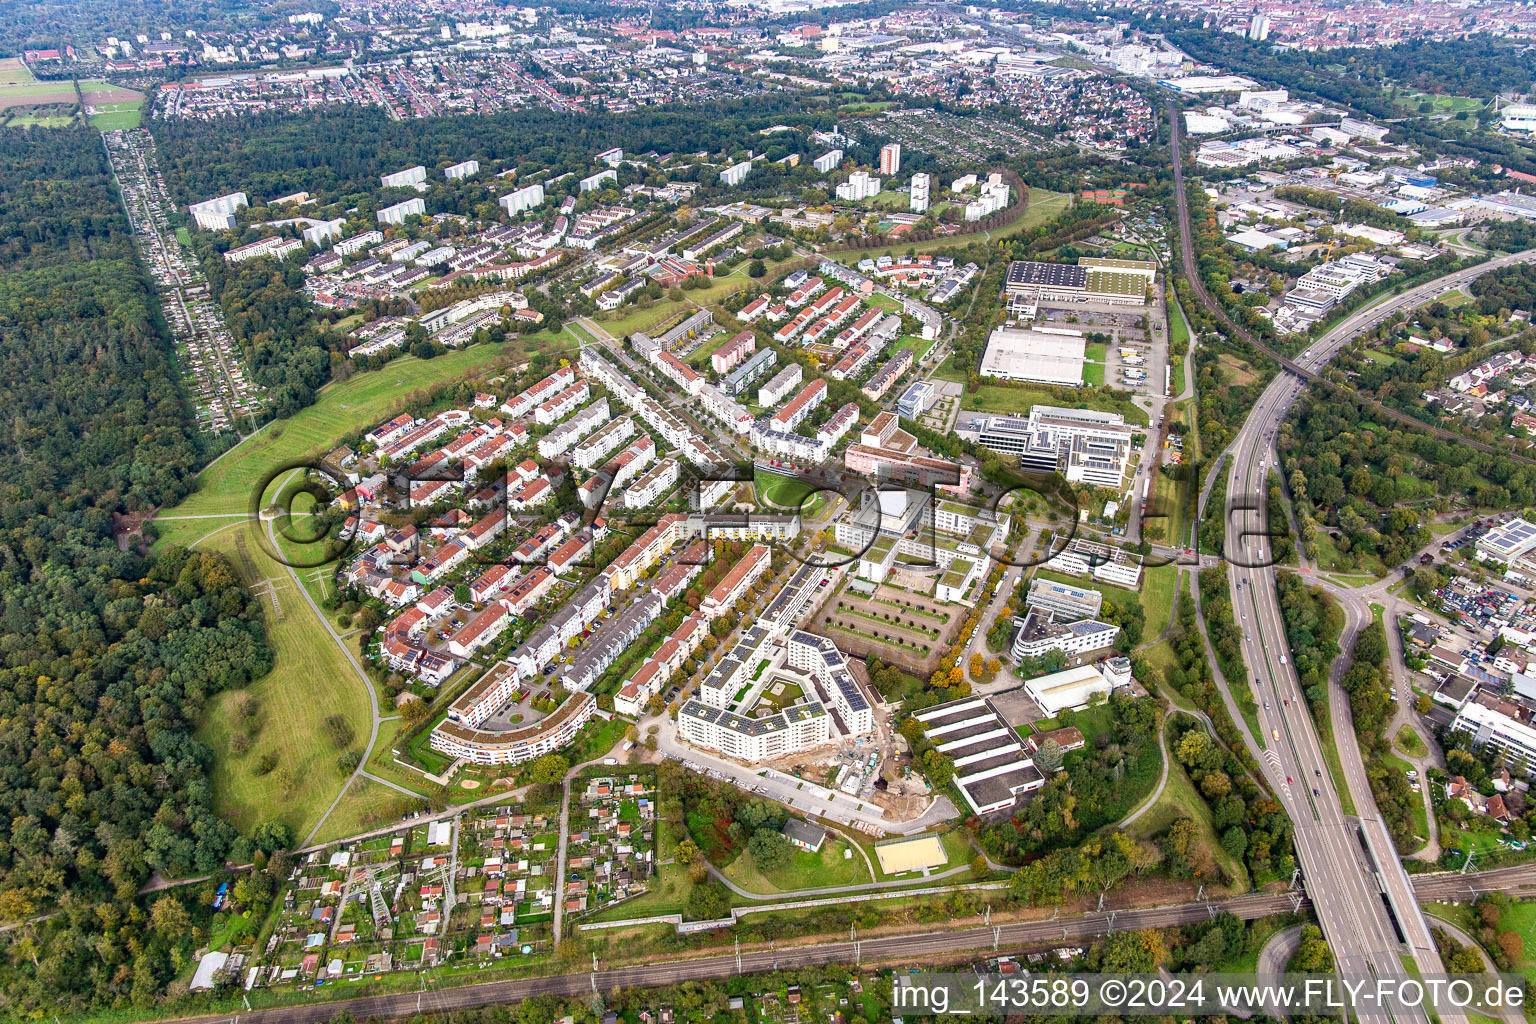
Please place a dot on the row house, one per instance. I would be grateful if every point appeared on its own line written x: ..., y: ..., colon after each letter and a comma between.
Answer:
x: 483, y: 629
x: 390, y: 430
x: 488, y: 451
x: 485, y: 531
x: 489, y: 583
x: 532, y: 495
x: 525, y: 402
x: 572, y: 554
x: 802, y: 405
x: 541, y: 543
x: 635, y: 695
x: 447, y: 558
x: 529, y: 589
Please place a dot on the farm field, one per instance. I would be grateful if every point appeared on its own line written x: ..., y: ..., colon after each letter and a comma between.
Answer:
x: 33, y: 92
x: 14, y: 72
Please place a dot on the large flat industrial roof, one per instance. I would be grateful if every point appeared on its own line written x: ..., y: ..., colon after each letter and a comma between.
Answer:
x: 1045, y: 356
x: 1032, y: 274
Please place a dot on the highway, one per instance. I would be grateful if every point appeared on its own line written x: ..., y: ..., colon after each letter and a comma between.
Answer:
x: 1354, y: 863
x: 933, y: 947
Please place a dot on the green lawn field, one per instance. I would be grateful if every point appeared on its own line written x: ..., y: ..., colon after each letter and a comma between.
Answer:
x: 311, y: 681
x: 1043, y: 206
x: 365, y: 399
x: 629, y: 319
x: 1158, y: 585
x: 918, y: 346
x: 114, y: 119
x: 826, y: 867
x: 1179, y: 800
x: 997, y: 398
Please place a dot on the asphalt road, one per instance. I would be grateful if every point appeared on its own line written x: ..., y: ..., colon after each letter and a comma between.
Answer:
x: 932, y: 947
x: 1354, y: 863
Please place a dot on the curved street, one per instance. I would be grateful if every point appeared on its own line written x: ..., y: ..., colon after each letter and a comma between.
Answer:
x: 1343, y: 857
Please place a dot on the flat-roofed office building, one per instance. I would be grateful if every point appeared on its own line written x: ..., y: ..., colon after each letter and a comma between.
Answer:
x: 992, y: 766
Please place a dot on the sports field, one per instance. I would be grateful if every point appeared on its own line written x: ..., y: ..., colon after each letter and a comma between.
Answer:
x: 915, y: 854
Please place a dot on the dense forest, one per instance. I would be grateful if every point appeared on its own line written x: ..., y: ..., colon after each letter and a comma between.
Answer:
x: 1370, y: 486
x: 106, y: 657
x: 286, y: 340
x: 340, y: 154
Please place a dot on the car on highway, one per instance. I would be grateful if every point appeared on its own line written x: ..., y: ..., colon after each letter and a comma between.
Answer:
x: 1314, y: 791
x: 1266, y: 705
x: 1318, y: 772
x: 1289, y: 780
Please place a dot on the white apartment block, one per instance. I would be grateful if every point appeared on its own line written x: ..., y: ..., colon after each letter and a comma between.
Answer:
x: 828, y: 161
x: 1040, y: 634
x: 735, y: 174
x: 525, y: 198
x: 319, y: 231
x: 276, y: 246
x: 860, y: 185
x: 559, y: 440
x: 783, y: 382
x: 558, y: 407
x: 597, y: 447
x: 1488, y: 727
x: 461, y: 170
x: 217, y: 214
x: 726, y: 410
x: 358, y: 242
x: 921, y: 192
x: 397, y: 213
x: 593, y: 182
x: 411, y: 177
x: 796, y: 728
x: 1101, y: 562
x: 820, y: 657
x: 653, y: 485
